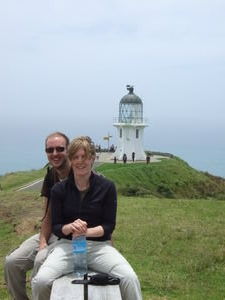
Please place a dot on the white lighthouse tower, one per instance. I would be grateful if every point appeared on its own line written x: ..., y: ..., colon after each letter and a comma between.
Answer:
x: 130, y: 127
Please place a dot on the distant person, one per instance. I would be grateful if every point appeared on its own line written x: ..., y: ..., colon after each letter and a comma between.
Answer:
x: 148, y: 159
x: 84, y: 204
x: 32, y: 252
x: 124, y: 158
x: 115, y: 159
x: 133, y: 156
x: 112, y: 148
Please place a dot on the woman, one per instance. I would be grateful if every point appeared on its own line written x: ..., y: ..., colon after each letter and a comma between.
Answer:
x: 85, y: 203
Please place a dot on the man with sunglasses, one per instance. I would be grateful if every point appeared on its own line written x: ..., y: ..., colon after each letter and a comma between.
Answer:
x: 32, y: 252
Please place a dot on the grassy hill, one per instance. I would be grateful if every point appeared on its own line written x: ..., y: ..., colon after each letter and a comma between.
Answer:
x: 170, y: 178
x: 14, y: 180
x: 176, y: 246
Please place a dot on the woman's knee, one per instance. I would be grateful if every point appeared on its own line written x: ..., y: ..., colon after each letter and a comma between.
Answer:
x: 129, y: 278
x: 126, y: 274
x: 41, y: 282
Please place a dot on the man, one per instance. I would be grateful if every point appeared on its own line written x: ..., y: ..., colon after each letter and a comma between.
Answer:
x: 133, y: 156
x: 33, y: 251
x: 124, y: 158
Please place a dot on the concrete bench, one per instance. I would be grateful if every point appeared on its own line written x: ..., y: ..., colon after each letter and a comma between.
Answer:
x: 63, y: 289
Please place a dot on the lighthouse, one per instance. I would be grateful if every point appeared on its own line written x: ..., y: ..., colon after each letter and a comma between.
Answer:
x: 130, y: 127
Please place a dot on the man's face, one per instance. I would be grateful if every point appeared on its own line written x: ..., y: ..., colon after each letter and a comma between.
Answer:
x: 56, y: 151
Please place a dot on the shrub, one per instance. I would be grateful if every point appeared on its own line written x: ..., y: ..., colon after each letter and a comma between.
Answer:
x: 165, y: 191
x: 130, y: 191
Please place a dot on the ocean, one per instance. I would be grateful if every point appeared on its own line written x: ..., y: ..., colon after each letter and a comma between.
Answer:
x: 206, y: 161
x: 202, y: 148
x: 204, y: 157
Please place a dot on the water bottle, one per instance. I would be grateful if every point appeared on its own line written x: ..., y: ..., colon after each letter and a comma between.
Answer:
x: 79, y: 245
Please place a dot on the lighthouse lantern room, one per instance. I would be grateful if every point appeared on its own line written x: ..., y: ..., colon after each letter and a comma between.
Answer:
x: 130, y: 127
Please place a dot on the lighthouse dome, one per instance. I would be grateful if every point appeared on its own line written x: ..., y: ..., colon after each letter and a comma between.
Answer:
x: 131, y: 97
x: 131, y: 108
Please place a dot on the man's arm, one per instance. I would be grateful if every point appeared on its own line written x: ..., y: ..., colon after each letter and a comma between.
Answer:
x: 46, y: 226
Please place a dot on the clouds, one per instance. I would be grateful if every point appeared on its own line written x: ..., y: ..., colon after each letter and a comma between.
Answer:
x: 69, y: 58
x: 64, y: 66
x: 162, y: 29
x: 170, y: 20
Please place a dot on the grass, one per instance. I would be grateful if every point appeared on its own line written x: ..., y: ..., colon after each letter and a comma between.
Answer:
x: 170, y: 178
x: 20, y: 215
x: 175, y: 246
x: 15, y: 180
x: 9, y: 240
x: 175, y: 241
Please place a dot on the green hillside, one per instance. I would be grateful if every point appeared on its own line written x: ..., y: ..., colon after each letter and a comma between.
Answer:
x: 176, y: 246
x: 170, y: 178
x: 14, y: 180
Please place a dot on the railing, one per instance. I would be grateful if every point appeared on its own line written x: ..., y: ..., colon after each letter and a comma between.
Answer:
x: 130, y: 120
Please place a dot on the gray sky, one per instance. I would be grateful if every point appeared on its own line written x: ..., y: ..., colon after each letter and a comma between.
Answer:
x: 65, y: 64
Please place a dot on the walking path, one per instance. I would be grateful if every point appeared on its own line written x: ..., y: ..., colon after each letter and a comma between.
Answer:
x: 35, y: 185
x: 103, y: 157
x: 108, y: 157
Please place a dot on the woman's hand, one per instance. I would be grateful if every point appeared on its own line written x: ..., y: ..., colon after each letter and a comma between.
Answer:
x: 78, y: 227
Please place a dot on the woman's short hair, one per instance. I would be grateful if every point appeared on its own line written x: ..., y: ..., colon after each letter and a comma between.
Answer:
x: 82, y: 142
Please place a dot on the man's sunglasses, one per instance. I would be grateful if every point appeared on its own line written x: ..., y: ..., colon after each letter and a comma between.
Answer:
x: 57, y: 149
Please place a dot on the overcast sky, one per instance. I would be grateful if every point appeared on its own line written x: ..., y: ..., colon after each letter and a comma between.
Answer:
x: 64, y: 65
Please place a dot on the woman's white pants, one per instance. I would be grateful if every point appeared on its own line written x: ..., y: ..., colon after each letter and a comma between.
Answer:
x: 102, y: 257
